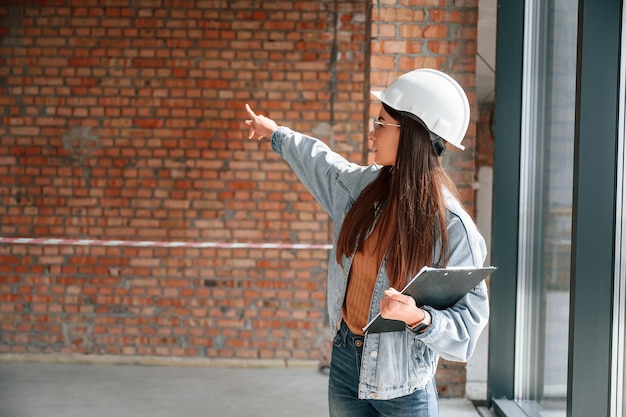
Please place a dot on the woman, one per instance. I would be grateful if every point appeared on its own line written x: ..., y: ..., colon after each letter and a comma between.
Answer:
x: 391, y: 219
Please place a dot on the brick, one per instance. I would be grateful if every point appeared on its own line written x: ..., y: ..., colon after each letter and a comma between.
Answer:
x: 162, y: 91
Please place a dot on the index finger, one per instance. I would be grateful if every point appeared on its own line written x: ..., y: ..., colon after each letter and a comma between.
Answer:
x: 251, y: 114
x: 397, y: 295
x: 391, y: 292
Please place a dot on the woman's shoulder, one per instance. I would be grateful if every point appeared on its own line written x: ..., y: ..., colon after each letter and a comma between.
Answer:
x: 463, y: 233
x: 457, y: 214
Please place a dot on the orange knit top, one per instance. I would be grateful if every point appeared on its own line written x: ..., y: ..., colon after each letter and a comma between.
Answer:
x: 361, y: 281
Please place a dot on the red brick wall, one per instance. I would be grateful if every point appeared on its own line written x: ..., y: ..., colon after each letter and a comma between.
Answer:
x: 124, y: 120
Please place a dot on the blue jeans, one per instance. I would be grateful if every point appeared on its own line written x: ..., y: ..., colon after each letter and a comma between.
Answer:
x: 343, y: 401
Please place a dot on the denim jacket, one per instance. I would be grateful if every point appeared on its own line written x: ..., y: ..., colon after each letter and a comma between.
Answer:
x: 394, y: 364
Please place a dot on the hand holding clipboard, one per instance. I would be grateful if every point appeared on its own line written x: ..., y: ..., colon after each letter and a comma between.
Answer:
x: 439, y: 288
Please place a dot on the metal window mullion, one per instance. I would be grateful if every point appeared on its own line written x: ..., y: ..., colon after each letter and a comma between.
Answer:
x: 592, y: 296
x: 505, y: 216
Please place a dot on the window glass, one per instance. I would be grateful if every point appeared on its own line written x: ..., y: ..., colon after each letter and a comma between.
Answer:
x: 559, y: 127
x: 546, y: 212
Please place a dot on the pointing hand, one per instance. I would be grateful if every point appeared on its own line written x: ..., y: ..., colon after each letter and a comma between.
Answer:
x: 260, y: 126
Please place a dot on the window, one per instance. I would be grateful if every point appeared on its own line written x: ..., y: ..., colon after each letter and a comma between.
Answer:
x: 546, y: 189
x: 560, y: 157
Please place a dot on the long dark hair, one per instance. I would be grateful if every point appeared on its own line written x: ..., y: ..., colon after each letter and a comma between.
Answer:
x: 410, y: 193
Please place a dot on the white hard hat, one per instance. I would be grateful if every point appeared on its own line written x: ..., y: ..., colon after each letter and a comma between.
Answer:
x: 436, y: 98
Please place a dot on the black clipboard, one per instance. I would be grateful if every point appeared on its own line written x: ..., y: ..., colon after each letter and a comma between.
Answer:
x: 439, y: 288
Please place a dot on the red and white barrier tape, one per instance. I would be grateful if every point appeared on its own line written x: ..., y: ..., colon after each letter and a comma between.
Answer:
x: 152, y: 244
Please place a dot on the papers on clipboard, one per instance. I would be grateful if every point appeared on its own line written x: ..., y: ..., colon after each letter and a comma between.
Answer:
x: 439, y: 288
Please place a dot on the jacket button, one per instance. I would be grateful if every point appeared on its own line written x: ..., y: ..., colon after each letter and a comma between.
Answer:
x: 374, y: 354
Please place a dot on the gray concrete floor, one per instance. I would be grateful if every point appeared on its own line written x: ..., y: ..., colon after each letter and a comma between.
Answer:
x: 51, y: 389
x: 92, y: 390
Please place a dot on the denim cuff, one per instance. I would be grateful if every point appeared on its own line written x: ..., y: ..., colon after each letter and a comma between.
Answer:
x: 277, y: 139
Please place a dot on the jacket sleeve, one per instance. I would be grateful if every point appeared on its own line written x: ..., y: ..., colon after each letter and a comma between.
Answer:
x: 454, y: 332
x: 314, y: 163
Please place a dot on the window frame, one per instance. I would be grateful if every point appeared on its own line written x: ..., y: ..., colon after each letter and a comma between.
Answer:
x: 595, y: 318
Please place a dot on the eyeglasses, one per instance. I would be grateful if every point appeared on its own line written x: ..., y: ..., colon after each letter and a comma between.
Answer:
x: 377, y: 124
